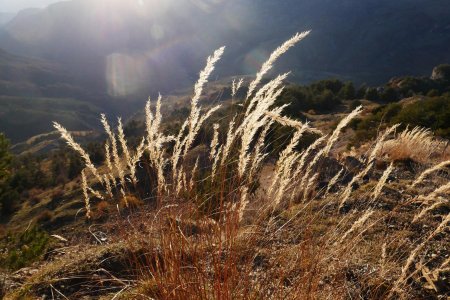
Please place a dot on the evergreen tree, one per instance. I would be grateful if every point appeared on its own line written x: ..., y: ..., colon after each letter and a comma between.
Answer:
x: 348, y: 91
x: 5, y: 159
x: 372, y: 94
x: 8, y: 196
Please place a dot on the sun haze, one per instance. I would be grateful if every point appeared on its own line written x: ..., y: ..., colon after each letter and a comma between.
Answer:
x: 17, y: 5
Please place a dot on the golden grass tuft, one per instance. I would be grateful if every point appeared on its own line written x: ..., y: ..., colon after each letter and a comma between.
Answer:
x: 417, y: 144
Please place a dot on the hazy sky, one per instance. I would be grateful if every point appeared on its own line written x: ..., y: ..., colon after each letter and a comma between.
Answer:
x: 16, y: 5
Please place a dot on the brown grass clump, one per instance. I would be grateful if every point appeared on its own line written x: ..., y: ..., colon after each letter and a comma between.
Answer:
x: 130, y: 201
x: 102, y: 209
x: 34, y: 200
x: 44, y: 217
x: 307, y: 233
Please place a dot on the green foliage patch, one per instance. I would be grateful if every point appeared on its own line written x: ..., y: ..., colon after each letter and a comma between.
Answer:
x: 431, y: 112
x: 322, y: 96
x: 8, y: 196
x: 24, y: 248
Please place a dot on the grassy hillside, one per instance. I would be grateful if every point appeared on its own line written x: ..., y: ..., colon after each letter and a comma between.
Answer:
x: 34, y: 92
x: 22, y: 76
x: 238, y: 199
x: 23, y: 117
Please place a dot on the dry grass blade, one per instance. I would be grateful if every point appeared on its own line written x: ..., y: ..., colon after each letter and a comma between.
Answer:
x: 380, y: 142
x: 403, y: 277
x: 75, y: 146
x: 333, y: 181
x: 285, y: 121
x: 285, y: 167
x: 424, y: 211
x: 418, y: 144
x: 443, y: 189
x: 268, y: 65
x: 194, y: 121
x: 360, y: 222
x: 348, y: 190
x: 382, y: 181
x: 429, y: 171
x: 334, y: 137
x: 235, y: 86
x: 114, y: 150
x: 85, y: 188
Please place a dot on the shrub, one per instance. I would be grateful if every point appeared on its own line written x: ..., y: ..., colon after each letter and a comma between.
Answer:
x: 354, y: 104
x: 433, y: 113
x: 8, y: 195
x: 433, y: 93
x: 417, y: 144
x: 372, y: 94
x: 347, y: 91
x: 5, y: 159
x: 321, y: 96
x: 102, y: 209
x: 129, y: 201
x: 389, y: 94
x: 25, y: 248
x: 9, y: 201
x: 441, y: 72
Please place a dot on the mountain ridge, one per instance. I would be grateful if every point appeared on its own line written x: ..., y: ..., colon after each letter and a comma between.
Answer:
x: 114, y: 54
x: 349, y: 38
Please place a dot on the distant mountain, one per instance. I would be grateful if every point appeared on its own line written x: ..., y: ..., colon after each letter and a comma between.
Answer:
x: 100, y: 50
x: 370, y: 40
x: 35, y: 92
x: 99, y: 40
x: 24, y: 117
x: 22, y: 76
x: 127, y: 48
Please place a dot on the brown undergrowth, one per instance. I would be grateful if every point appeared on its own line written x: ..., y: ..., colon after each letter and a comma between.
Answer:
x: 360, y: 227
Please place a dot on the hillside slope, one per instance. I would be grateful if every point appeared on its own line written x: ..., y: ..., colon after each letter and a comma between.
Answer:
x: 22, y: 76
x: 23, y: 117
x: 34, y: 92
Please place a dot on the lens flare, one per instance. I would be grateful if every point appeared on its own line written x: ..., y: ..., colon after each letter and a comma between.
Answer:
x: 123, y: 73
x: 254, y: 59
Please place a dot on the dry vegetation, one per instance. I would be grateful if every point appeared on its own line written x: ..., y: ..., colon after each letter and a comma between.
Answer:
x: 417, y: 144
x: 319, y: 229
